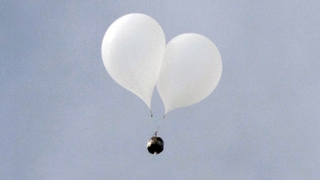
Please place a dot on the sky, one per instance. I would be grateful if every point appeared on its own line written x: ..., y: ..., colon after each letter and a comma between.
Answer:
x: 63, y: 117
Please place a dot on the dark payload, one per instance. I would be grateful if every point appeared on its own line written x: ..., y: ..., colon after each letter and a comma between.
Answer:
x: 155, y: 145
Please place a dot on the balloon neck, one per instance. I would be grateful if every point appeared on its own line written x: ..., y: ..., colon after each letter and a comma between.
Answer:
x: 155, y: 134
x: 151, y: 113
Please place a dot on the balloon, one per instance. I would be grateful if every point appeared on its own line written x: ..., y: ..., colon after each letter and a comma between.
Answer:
x: 191, y: 70
x: 132, y: 50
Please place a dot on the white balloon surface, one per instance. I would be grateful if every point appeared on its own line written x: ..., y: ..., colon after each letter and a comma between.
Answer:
x: 132, y: 51
x: 186, y: 70
x: 190, y: 71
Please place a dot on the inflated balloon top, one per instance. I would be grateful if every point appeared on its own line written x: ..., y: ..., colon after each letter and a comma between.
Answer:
x: 132, y: 52
x: 185, y: 71
x: 190, y: 71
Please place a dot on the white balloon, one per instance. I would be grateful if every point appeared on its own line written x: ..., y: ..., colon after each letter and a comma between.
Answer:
x: 190, y: 71
x: 132, y: 50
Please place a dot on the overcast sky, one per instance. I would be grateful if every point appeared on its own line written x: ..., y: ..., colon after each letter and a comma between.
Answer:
x: 63, y: 117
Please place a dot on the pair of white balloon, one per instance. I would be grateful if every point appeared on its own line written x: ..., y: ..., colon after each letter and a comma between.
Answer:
x: 136, y: 56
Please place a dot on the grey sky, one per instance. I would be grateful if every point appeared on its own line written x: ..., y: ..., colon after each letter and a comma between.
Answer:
x: 63, y: 117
